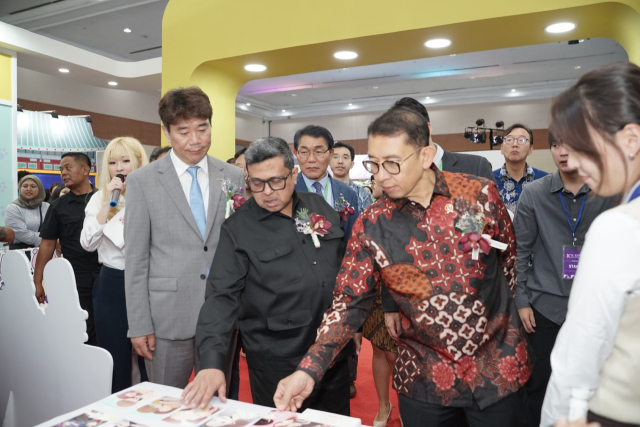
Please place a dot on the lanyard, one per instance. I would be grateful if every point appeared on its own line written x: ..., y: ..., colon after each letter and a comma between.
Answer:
x: 635, y: 194
x: 326, y: 191
x: 572, y: 227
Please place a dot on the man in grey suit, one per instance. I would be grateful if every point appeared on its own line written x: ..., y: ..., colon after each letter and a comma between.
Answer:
x: 175, y: 207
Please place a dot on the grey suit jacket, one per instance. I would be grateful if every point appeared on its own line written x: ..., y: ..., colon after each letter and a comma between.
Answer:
x: 166, y: 259
x: 467, y: 163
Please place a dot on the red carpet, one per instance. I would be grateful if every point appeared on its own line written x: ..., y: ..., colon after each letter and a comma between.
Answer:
x: 363, y: 406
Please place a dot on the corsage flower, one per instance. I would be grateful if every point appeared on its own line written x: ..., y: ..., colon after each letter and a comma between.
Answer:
x: 313, y: 224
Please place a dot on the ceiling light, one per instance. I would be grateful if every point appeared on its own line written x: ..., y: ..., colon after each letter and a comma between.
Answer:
x: 345, y: 54
x: 345, y: 69
x: 375, y: 87
x: 453, y: 54
x: 437, y: 43
x: 284, y: 111
x: 63, y: 70
x: 113, y: 83
x: 293, y: 94
x: 513, y: 90
x: 581, y: 41
x: 561, y: 27
x: 350, y: 104
x: 427, y: 97
x: 255, y: 67
x: 248, y: 104
x: 577, y: 67
x: 127, y: 30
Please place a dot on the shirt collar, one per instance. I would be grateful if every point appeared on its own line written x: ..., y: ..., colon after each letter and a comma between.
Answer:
x: 309, y: 182
x: 558, y: 185
x: 263, y: 213
x: 439, y: 154
x: 181, y: 167
x: 528, y: 171
x: 440, y: 188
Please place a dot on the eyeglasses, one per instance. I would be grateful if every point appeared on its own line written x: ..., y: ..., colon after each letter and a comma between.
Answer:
x: 509, y: 140
x: 276, y: 183
x: 344, y: 158
x: 320, y: 154
x: 390, y: 166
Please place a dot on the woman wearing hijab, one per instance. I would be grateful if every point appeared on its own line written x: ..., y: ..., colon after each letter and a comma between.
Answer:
x: 26, y: 213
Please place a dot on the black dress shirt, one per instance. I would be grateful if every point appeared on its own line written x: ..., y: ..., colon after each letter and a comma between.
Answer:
x: 274, y: 281
x: 64, y: 221
x: 541, y: 232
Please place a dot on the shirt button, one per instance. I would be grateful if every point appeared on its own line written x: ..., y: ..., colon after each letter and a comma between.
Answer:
x: 304, y: 241
x: 289, y: 321
x: 276, y: 251
x: 202, y: 276
x: 574, y: 200
x: 206, y: 249
x: 574, y: 219
x: 314, y: 263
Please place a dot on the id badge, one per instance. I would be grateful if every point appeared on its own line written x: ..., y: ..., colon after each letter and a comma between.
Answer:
x: 570, y: 258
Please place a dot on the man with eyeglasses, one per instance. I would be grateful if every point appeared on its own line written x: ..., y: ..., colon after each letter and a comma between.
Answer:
x: 512, y: 177
x: 342, y: 162
x: 443, y: 245
x: 272, y: 277
x: 314, y: 147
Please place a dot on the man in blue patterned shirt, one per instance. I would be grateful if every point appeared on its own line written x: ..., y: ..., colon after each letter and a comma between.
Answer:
x: 511, y: 178
x: 341, y: 163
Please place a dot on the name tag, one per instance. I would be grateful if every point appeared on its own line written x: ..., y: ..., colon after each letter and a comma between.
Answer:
x: 570, y: 258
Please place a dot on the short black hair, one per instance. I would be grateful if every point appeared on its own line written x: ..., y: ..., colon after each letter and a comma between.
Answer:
x: 348, y: 147
x: 78, y: 157
x: 157, y: 152
x: 268, y: 148
x: 315, y: 132
x: 508, y: 130
x: 412, y: 104
x: 551, y: 138
x: 22, y: 174
x: 240, y: 153
x: 402, y: 120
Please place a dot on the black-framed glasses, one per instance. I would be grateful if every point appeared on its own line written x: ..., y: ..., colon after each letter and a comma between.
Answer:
x: 509, y: 140
x: 319, y: 154
x: 276, y: 183
x: 390, y: 166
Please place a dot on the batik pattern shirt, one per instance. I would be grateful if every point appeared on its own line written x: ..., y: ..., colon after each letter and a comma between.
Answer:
x: 510, y: 189
x: 461, y: 337
x: 364, y: 197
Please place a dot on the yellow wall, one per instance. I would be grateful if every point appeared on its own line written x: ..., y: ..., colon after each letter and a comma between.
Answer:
x: 6, y: 79
x: 293, y: 36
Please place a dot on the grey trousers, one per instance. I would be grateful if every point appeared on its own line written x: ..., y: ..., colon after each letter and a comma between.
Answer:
x: 173, y: 362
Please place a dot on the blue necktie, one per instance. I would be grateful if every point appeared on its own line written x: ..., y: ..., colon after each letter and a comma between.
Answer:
x: 318, y: 187
x: 196, y: 201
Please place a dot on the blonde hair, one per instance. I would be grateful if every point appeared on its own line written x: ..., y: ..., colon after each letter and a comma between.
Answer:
x: 118, y: 148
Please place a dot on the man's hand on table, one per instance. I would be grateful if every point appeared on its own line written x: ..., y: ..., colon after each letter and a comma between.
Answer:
x: 200, y: 391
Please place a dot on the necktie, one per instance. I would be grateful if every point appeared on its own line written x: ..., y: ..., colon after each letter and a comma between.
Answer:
x: 196, y: 201
x: 318, y: 187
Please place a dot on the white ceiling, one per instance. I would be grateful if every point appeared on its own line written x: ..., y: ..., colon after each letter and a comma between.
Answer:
x: 87, y: 37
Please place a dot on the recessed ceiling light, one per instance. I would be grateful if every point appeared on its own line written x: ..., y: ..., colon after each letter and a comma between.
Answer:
x: 472, y: 77
x: 113, y: 83
x: 345, y: 54
x: 255, y: 67
x: 577, y: 67
x: 375, y: 87
x: 350, y: 104
x: 248, y: 104
x: 345, y: 69
x: 560, y: 27
x: 453, y: 54
x: 127, y: 30
x: 513, y: 90
x: 293, y: 94
x: 63, y: 70
x: 428, y: 97
x: 581, y: 41
x: 437, y: 43
x: 284, y: 111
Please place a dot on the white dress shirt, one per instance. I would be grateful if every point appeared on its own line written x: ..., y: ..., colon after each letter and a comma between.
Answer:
x: 107, y: 238
x: 608, y: 273
x: 185, y: 178
x: 327, y: 191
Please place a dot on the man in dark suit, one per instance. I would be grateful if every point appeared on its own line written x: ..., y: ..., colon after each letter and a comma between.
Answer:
x: 314, y: 147
x: 446, y: 160
x: 270, y: 274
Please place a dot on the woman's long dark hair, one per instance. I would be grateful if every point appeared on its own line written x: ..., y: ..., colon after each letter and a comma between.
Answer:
x: 604, y: 100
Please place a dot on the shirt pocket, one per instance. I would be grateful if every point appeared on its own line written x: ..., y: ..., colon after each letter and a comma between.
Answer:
x: 71, y: 227
x: 163, y: 284
x: 333, y: 246
x: 278, y: 265
x: 293, y: 320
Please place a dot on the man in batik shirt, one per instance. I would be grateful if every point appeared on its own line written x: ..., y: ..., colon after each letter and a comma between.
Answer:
x: 443, y: 245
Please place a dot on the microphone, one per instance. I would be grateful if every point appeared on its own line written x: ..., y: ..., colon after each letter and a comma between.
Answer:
x: 115, y: 195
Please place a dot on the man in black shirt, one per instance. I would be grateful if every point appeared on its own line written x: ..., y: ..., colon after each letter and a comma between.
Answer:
x: 63, y: 222
x: 276, y: 280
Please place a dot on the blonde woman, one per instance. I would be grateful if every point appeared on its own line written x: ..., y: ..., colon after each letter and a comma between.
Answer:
x: 103, y: 230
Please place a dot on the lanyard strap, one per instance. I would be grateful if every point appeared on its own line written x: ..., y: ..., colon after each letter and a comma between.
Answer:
x: 326, y: 191
x: 572, y: 227
x: 635, y: 194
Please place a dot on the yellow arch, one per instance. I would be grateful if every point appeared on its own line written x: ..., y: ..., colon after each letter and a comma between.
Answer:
x: 207, y: 43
